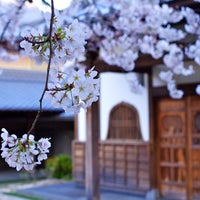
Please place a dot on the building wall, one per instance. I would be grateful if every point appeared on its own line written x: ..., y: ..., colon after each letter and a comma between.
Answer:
x: 24, y: 63
x: 115, y: 88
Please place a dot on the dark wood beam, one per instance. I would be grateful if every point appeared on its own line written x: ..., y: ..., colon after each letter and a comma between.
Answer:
x: 92, y: 152
x: 142, y: 65
x: 185, y: 3
x: 189, y: 89
x: 181, y: 3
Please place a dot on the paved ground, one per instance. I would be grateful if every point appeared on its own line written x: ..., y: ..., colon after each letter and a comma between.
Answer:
x: 53, y: 189
x: 70, y: 191
x: 58, y: 190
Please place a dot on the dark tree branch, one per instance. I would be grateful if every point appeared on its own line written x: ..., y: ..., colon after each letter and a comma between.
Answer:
x: 48, y: 69
x: 46, y: 3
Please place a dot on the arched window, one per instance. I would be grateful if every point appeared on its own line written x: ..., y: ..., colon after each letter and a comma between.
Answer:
x: 124, y: 122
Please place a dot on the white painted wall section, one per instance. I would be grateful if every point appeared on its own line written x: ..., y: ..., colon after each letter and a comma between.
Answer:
x: 82, y: 126
x: 115, y: 88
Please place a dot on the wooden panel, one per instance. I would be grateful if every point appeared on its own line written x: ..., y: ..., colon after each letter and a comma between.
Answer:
x: 179, y: 149
x: 123, y: 165
x: 78, y: 162
x: 172, y: 149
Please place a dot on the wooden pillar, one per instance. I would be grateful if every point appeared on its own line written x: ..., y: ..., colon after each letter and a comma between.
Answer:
x: 153, y: 159
x: 76, y: 127
x: 154, y: 193
x: 92, y: 153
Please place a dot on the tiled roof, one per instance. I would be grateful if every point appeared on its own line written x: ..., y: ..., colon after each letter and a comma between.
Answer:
x: 21, y: 90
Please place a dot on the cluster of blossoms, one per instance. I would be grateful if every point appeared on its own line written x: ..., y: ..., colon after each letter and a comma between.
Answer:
x: 167, y: 76
x: 21, y: 153
x: 125, y: 29
x: 9, y: 19
x: 144, y: 29
x: 73, y: 88
x: 134, y: 83
x: 68, y: 88
x: 68, y: 42
x: 12, y: 14
x: 119, y: 31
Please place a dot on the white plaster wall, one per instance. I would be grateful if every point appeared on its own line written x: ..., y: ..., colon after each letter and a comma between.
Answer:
x: 82, y: 126
x: 114, y: 89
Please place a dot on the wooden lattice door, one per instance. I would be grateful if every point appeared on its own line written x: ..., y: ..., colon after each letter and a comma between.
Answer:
x: 178, y: 142
x: 172, y: 149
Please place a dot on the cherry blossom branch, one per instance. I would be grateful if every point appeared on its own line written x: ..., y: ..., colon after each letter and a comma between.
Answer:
x: 48, y: 69
x: 31, y: 149
x: 70, y: 88
x: 50, y: 53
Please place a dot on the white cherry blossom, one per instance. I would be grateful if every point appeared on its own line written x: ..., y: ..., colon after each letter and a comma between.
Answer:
x: 68, y: 43
x: 73, y: 88
x: 23, y: 153
x: 198, y: 89
x: 193, y: 51
x: 167, y: 76
x: 134, y: 83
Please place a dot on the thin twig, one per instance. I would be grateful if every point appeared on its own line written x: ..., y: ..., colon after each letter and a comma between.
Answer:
x: 36, y: 42
x: 48, y: 69
x: 9, y: 21
x: 65, y: 88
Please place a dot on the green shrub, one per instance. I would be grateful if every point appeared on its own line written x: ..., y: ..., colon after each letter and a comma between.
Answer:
x: 59, y: 166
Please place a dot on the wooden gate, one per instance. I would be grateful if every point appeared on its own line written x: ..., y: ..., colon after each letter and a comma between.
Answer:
x: 123, y: 165
x: 124, y: 158
x: 179, y: 148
